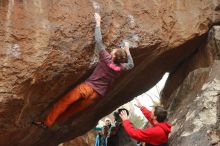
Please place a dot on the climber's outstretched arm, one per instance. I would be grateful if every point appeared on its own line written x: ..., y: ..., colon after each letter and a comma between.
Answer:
x: 98, y: 34
x: 130, y: 63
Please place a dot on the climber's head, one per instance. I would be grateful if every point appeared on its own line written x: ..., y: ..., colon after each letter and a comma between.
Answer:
x: 119, y: 56
x: 159, y: 114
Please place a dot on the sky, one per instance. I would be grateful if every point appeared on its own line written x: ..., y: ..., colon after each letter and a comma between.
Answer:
x: 153, y: 93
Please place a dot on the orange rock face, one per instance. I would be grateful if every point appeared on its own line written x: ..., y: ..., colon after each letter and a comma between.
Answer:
x: 47, y: 47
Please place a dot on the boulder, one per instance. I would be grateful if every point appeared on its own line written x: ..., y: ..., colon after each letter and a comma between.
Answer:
x: 47, y: 48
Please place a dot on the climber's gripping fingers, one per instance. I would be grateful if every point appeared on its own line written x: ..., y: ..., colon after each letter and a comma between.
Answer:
x: 97, y: 19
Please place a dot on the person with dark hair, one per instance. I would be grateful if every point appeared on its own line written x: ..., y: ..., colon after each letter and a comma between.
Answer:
x: 117, y: 135
x: 154, y: 136
x: 109, y: 67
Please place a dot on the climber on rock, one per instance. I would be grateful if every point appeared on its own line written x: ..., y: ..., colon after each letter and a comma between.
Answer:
x: 109, y: 67
x: 154, y: 136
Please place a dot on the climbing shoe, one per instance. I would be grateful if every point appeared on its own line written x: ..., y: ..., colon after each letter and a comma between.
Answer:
x: 40, y: 124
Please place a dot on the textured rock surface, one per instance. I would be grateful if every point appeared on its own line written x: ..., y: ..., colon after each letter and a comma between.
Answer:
x: 47, y: 47
x: 86, y: 140
x: 194, y: 105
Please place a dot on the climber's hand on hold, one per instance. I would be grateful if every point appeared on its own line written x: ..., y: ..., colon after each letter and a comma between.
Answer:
x: 97, y: 19
x: 126, y: 44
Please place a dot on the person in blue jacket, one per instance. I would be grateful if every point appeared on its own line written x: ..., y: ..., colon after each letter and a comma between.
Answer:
x: 101, y: 138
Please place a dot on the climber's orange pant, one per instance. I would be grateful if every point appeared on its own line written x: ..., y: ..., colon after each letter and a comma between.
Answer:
x: 82, y: 91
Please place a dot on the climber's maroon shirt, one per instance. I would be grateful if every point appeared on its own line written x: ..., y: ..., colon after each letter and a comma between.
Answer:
x: 104, y: 73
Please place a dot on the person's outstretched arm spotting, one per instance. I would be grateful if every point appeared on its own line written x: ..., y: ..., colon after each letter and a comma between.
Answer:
x: 145, y: 112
